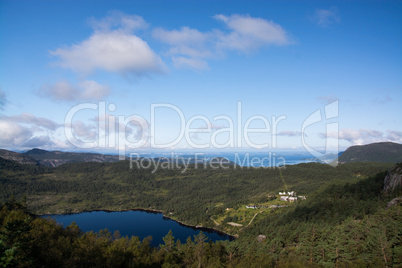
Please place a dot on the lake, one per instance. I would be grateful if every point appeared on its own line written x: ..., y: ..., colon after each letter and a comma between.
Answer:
x: 135, y: 223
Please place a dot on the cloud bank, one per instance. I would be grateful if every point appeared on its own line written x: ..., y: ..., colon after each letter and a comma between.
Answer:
x: 365, y: 136
x: 26, y: 130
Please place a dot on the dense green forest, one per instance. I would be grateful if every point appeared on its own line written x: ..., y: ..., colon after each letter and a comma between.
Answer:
x: 344, y: 220
x: 192, y: 196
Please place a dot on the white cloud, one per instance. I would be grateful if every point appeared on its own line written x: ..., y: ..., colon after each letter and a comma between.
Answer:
x: 365, y: 136
x: 113, y: 52
x: 188, y: 47
x: 117, y: 20
x: 19, y: 130
x: 248, y: 33
x: 61, y: 90
x: 393, y: 135
x: 93, y: 90
x: 113, y: 48
x: 30, y: 119
x: 38, y: 142
x: 13, y: 134
x: 83, y: 130
x: 64, y: 91
x: 192, y: 48
x: 182, y: 37
x: 325, y: 17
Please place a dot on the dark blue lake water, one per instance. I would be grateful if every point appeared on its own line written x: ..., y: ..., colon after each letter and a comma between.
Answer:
x: 135, y: 223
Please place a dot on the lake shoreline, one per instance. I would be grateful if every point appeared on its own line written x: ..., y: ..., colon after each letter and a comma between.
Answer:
x: 198, y: 227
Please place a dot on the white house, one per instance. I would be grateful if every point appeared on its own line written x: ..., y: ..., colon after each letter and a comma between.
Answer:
x: 292, y: 193
x: 288, y: 198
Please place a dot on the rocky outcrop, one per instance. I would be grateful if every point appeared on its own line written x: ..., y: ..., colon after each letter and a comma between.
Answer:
x: 261, y: 238
x: 393, y: 179
x: 394, y: 202
x: 17, y: 157
x: 53, y: 162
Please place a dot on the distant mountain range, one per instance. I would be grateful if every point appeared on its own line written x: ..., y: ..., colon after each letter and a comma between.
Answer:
x: 17, y: 157
x: 55, y: 158
x: 375, y: 152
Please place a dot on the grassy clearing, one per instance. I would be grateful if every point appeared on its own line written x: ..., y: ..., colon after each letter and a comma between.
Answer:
x: 234, y: 220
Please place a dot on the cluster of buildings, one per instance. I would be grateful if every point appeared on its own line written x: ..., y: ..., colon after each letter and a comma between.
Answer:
x: 256, y: 206
x: 283, y: 196
x: 290, y: 196
x: 292, y: 193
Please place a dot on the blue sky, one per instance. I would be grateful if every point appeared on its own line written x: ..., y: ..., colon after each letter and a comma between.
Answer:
x: 277, y: 61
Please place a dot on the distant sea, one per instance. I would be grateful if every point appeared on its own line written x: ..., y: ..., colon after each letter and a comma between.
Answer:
x: 246, y: 159
x: 268, y: 159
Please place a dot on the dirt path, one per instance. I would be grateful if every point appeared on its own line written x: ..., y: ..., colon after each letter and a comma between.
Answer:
x: 217, y: 224
x: 235, y: 224
x: 253, y: 218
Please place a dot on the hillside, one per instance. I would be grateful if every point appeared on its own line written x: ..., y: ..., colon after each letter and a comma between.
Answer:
x: 17, y: 157
x: 194, y: 195
x: 54, y: 158
x: 387, y: 152
x: 57, y: 158
x: 345, y: 221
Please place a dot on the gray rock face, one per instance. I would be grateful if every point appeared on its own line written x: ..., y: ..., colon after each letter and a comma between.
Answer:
x: 261, y: 238
x: 17, y: 157
x: 394, y: 202
x: 393, y: 179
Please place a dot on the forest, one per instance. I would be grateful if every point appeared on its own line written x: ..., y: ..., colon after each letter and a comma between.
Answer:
x: 344, y: 220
